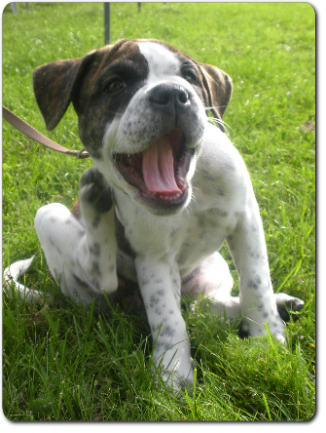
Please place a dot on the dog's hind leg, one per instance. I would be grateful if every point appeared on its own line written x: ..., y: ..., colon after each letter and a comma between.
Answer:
x: 214, y: 280
x: 81, y: 257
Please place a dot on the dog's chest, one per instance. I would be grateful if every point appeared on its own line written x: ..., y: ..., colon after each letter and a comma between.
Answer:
x: 187, y: 237
x: 205, y: 233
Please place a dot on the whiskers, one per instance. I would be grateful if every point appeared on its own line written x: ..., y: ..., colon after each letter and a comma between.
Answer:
x: 215, y: 121
x: 192, y: 202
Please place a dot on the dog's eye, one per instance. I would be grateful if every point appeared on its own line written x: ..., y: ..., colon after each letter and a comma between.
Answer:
x: 114, y: 85
x: 189, y: 76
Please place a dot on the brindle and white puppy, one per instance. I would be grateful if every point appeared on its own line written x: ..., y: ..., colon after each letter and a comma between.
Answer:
x: 167, y: 189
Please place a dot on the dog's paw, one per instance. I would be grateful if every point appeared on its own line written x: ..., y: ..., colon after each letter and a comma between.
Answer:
x: 95, y: 191
x: 286, y: 305
x: 256, y: 326
x: 178, y: 379
x: 177, y: 384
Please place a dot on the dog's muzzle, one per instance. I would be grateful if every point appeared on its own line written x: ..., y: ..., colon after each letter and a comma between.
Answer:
x: 160, y: 171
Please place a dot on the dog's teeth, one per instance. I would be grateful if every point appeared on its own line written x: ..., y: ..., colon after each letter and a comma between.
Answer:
x: 168, y: 197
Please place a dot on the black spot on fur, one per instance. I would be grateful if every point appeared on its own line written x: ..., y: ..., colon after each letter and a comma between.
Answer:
x: 96, y: 222
x: 220, y: 192
x: 254, y: 284
x: 167, y: 330
x: 80, y: 282
x: 144, y: 281
x: 96, y: 268
x: 153, y: 300
x: 96, y: 249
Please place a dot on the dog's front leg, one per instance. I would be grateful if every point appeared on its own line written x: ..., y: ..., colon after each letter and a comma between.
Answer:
x: 160, y: 288
x: 257, y: 300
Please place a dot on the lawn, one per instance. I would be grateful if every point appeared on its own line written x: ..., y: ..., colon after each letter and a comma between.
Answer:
x: 66, y: 362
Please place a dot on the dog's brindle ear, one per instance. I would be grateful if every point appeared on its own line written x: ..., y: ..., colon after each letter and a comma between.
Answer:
x: 54, y: 86
x: 218, y: 86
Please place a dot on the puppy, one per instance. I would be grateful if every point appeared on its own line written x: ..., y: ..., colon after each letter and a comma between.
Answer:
x: 168, y: 188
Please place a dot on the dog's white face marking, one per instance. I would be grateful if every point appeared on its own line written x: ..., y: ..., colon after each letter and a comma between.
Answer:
x: 161, y: 61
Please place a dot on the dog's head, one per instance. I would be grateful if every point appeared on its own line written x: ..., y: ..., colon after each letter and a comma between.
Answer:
x: 142, y: 108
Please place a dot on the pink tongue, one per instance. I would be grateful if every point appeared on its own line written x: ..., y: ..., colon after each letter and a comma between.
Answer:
x: 158, y: 168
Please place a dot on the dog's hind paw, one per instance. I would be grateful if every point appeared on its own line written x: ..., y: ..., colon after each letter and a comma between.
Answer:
x: 286, y: 305
x: 95, y: 190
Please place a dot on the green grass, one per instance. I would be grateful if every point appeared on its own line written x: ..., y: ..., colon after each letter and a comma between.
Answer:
x: 66, y: 362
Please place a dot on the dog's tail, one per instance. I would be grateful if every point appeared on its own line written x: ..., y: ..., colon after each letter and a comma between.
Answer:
x: 11, y: 275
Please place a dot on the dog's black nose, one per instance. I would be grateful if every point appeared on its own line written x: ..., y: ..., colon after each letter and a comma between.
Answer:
x: 169, y: 97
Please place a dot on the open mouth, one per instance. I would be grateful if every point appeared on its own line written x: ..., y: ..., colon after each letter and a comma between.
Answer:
x: 159, y: 171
